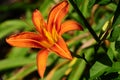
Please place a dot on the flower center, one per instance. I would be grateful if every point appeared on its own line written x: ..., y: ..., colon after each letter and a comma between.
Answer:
x: 51, y: 37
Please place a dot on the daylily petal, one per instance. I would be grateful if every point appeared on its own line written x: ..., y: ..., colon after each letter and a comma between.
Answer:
x: 56, y: 15
x: 38, y: 20
x: 41, y: 61
x: 25, y: 39
x: 61, y: 49
x: 70, y: 25
x: 60, y: 16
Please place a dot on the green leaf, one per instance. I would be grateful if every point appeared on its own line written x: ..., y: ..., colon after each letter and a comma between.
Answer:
x: 77, y: 70
x: 82, y: 4
x: 10, y: 26
x: 117, y: 46
x: 17, y: 52
x: 97, y: 69
x: 104, y: 59
x: 24, y: 72
x: 80, y: 65
x: 59, y: 73
x: 115, y: 34
x: 101, y: 2
x: 51, y: 59
x: 116, y: 20
x: 91, y: 3
x: 115, y: 68
x: 44, y: 7
x: 15, y: 62
x: 111, y: 51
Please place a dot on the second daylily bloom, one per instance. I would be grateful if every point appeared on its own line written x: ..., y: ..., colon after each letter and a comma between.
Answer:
x: 49, y: 34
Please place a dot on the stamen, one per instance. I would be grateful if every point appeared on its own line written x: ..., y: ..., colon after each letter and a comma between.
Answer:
x: 54, y: 34
x: 48, y: 36
x: 45, y: 44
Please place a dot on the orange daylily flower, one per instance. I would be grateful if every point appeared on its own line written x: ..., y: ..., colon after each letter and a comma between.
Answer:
x: 49, y: 34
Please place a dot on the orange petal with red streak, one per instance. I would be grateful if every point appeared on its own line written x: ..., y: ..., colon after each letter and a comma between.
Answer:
x: 41, y: 61
x: 61, y: 49
x: 25, y: 39
x: 56, y: 15
x: 38, y: 20
x: 70, y: 25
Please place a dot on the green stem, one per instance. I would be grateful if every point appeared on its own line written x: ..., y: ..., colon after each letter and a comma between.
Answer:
x: 87, y: 25
x: 82, y: 57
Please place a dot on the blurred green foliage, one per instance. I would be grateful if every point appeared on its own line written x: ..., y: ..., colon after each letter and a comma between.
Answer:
x: 20, y: 63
